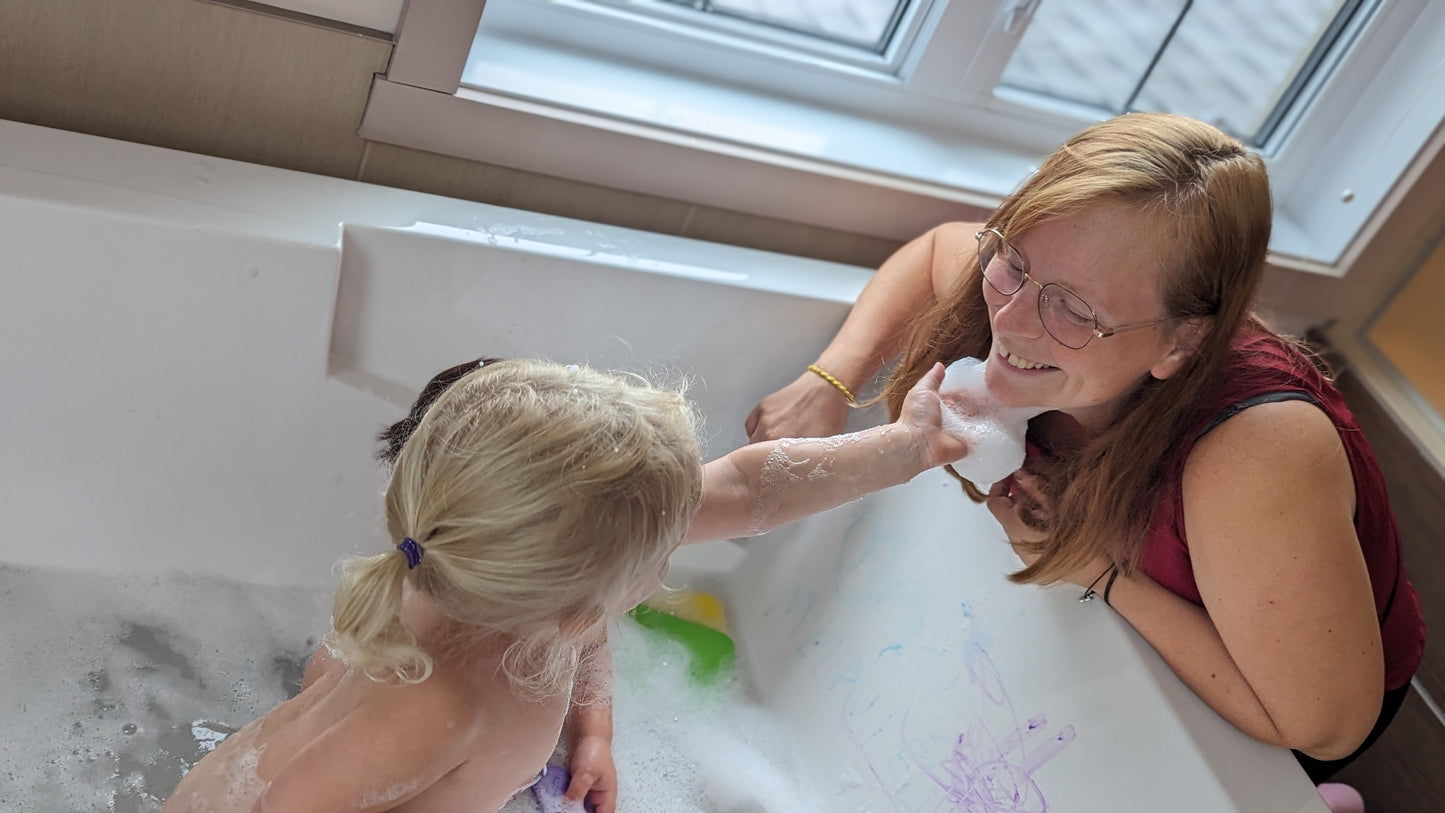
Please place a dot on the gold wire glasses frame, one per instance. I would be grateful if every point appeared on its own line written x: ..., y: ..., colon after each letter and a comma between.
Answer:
x: 1060, y: 310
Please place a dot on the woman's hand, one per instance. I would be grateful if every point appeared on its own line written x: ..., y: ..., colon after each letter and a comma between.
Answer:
x: 594, y: 774
x: 807, y: 408
x: 1018, y: 504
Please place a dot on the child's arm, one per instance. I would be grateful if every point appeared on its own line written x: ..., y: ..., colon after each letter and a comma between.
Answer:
x: 594, y: 774
x: 764, y: 485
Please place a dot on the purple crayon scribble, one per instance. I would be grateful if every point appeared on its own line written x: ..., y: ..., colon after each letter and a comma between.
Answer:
x: 990, y: 765
x: 982, y: 776
x: 986, y: 773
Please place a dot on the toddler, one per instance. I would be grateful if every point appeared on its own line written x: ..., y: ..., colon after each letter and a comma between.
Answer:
x: 529, y: 504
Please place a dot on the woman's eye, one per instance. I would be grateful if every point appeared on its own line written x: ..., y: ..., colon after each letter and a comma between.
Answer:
x: 1068, y: 307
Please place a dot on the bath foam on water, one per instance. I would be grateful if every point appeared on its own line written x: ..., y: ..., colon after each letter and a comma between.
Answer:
x: 685, y: 748
x: 995, y: 431
x: 681, y: 747
x: 117, y: 684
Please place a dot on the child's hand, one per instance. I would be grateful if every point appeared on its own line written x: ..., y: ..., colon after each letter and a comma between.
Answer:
x: 594, y: 776
x: 926, y: 414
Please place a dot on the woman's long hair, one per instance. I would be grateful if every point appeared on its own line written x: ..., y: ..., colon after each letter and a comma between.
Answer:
x: 1208, y: 201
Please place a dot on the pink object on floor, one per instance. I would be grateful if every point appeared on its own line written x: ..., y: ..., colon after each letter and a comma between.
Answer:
x: 1341, y: 798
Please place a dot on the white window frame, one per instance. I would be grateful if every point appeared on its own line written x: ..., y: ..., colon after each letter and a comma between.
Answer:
x: 1347, y: 161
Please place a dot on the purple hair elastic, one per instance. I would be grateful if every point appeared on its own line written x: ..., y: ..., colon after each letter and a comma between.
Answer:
x: 411, y: 550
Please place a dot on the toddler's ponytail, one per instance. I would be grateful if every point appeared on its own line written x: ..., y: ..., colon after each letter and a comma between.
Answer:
x: 365, y: 616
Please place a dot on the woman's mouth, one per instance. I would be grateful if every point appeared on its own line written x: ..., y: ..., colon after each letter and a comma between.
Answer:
x: 1021, y: 363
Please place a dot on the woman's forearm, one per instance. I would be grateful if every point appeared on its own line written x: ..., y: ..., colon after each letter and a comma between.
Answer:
x: 877, y: 325
x: 1184, y: 636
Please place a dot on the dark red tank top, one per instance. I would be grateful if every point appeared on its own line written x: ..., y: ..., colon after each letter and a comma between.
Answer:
x: 1264, y: 368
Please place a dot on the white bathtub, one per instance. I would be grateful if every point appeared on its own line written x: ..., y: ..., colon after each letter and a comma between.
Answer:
x: 197, y: 352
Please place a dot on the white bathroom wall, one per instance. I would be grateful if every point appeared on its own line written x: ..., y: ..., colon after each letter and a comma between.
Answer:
x: 198, y: 353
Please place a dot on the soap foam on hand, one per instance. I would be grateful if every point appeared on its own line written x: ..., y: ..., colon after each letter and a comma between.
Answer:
x: 994, y: 431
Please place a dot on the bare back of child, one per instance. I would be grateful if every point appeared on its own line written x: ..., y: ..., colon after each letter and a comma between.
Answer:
x: 531, y: 503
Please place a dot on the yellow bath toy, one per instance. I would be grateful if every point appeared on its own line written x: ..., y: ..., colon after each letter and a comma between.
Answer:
x: 699, y: 608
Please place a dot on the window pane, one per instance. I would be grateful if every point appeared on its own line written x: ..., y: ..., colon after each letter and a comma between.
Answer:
x: 1231, y: 61
x: 1092, y: 52
x: 866, y: 23
x: 1228, y: 62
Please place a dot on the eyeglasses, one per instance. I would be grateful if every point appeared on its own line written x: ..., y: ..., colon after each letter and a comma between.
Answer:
x: 1065, y: 315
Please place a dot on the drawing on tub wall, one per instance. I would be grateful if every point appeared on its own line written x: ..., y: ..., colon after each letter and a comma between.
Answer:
x: 986, y: 773
x: 989, y: 765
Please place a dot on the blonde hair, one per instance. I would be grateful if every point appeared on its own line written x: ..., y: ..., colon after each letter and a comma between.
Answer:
x: 1208, y: 201
x: 541, y: 495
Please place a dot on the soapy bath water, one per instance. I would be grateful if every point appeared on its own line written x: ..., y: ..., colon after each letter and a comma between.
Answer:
x: 682, y: 748
x: 117, y: 684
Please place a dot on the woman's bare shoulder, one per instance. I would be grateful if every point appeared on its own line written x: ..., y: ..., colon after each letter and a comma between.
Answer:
x: 955, y: 236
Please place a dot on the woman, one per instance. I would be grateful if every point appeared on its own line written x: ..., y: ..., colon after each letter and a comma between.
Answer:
x: 1194, y: 469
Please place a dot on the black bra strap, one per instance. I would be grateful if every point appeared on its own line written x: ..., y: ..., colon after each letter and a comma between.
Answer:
x: 1265, y: 398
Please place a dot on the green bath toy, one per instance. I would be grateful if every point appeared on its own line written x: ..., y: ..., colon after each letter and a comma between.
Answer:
x: 711, y: 651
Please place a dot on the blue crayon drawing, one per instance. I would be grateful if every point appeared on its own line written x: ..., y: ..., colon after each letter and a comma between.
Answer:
x: 923, y: 704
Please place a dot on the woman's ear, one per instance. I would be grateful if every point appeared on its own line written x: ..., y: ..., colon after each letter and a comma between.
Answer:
x: 1186, y: 338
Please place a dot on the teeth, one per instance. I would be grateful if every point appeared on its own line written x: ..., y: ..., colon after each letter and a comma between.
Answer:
x: 1023, y: 364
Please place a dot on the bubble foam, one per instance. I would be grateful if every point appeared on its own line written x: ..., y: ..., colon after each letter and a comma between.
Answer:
x: 994, y: 430
x: 117, y: 682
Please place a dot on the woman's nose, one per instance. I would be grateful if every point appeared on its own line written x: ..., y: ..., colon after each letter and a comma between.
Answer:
x: 1020, y: 314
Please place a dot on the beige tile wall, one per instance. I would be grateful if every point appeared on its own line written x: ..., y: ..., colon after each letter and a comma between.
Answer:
x: 222, y: 81
x: 191, y: 76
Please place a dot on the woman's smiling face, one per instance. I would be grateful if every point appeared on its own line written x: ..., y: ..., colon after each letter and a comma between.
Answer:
x: 1105, y: 255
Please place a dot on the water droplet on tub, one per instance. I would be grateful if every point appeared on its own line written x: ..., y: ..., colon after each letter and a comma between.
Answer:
x: 128, y: 728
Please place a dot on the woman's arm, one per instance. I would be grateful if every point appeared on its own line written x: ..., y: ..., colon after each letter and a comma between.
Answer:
x: 764, y: 485
x: 1294, y: 657
x: 874, y: 332
x: 1287, y: 647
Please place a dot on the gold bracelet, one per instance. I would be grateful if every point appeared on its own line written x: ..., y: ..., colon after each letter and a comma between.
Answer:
x: 824, y: 374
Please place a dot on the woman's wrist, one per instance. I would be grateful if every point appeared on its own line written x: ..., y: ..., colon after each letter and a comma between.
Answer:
x: 850, y: 373
x: 833, y: 381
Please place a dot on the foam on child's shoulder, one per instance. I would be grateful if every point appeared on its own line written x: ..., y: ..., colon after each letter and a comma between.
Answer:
x: 994, y: 430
